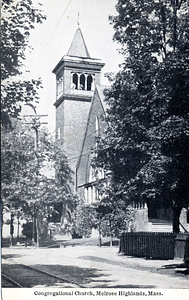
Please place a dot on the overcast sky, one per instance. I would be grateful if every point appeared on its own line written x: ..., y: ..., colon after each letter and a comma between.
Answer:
x: 51, y: 41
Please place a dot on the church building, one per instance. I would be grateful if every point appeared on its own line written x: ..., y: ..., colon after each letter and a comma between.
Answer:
x: 79, y: 108
x: 77, y: 114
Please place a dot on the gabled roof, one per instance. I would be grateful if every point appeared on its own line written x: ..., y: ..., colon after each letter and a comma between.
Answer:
x: 99, y: 93
x: 78, y: 47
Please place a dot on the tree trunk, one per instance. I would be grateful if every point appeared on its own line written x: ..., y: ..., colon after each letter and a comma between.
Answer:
x: 111, y: 235
x: 2, y: 226
x: 99, y: 230
x: 37, y: 232
x: 175, y: 24
x: 33, y: 229
x: 18, y: 228
x: 176, y: 217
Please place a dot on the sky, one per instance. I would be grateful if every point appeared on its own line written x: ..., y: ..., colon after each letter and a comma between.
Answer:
x: 51, y: 41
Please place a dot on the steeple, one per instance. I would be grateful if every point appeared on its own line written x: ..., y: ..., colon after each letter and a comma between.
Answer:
x: 77, y: 74
x: 78, y: 47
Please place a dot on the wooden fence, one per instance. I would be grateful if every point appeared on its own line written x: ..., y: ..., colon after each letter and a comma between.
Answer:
x: 159, y: 245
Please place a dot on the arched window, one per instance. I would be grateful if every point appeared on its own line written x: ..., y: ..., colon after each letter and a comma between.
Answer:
x: 60, y: 86
x: 82, y: 82
x: 97, y: 127
x: 58, y: 133
x: 89, y: 82
x: 91, y: 175
x: 75, y: 81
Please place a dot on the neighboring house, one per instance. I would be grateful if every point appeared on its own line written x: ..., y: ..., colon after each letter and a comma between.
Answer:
x: 79, y: 109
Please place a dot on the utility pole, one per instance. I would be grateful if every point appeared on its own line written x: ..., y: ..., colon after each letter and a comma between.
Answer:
x: 35, y: 122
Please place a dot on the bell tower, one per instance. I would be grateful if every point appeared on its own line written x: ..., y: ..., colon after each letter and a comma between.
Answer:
x: 77, y: 74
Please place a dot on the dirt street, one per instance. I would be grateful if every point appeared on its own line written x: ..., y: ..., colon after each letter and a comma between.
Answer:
x: 98, y: 267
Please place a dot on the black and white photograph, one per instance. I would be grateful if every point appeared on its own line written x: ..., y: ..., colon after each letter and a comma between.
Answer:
x: 94, y: 149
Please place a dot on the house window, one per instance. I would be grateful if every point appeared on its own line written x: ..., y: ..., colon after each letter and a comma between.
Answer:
x: 89, y: 82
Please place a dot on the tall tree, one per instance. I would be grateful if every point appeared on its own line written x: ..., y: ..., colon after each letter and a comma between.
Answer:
x: 147, y: 121
x: 18, y: 19
x: 35, y: 182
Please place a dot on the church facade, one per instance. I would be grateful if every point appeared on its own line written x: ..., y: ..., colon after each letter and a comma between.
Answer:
x: 79, y: 108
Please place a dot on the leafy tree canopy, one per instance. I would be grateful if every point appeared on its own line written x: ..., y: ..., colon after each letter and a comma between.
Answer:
x: 18, y: 19
x: 146, y: 139
x: 34, y: 178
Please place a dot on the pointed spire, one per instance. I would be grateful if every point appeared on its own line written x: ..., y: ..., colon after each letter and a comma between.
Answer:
x: 78, y: 46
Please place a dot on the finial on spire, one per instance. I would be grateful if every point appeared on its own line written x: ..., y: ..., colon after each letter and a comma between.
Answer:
x: 78, y: 19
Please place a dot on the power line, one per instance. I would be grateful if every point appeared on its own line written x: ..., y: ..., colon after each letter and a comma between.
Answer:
x: 55, y: 27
